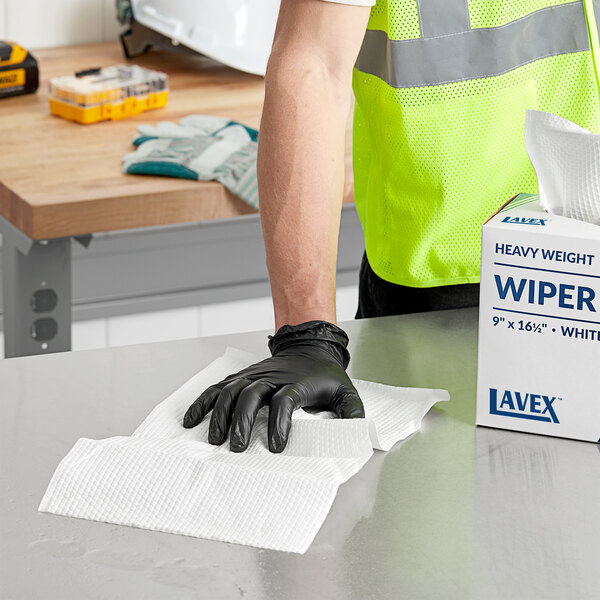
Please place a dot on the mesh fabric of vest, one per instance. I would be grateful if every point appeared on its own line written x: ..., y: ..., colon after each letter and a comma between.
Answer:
x: 432, y: 163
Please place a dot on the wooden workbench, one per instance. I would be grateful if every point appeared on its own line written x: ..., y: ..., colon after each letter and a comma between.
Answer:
x: 59, y: 178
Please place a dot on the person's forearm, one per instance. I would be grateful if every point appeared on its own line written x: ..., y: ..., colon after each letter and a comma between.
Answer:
x: 301, y: 181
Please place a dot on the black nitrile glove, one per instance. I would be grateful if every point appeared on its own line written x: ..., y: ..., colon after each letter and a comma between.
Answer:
x: 307, y: 369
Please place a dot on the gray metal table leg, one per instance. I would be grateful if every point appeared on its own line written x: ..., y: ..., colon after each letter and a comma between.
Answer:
x: 37, y: 293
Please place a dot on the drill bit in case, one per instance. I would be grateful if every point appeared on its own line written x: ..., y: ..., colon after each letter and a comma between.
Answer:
x: 110, y: 93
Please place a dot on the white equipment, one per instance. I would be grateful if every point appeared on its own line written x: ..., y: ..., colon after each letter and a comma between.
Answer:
x: 237, y: 33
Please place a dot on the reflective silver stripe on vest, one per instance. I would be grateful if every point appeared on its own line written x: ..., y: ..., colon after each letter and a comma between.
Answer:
x: 475, y: 53
x: 596, y: 7
x: 443, y: 17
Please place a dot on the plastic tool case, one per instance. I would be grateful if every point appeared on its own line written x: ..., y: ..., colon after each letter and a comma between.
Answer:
x: 110, y: 93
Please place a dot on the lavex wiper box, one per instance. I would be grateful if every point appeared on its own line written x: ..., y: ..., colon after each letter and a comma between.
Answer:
x: 539, y: 323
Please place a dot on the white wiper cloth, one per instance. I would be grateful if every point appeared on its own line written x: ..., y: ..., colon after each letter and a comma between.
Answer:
x: 168, y: 478
x: 566, y: 159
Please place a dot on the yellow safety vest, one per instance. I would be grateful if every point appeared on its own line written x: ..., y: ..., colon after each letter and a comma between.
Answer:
x: 441, y: 90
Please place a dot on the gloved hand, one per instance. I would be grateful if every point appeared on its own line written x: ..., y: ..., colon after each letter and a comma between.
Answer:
x: 307, y: 369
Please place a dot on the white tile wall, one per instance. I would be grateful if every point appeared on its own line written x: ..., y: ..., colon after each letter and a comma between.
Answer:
x: 257, y: 313
x: 3, y: 19
x: 89, y: 334
x: 45, y: 23
x: 232, y: 317
x: 111, y: 28
x: 153, y: 327
x: 347, y: 302
x: 210, y: 319
x: 85, y: 335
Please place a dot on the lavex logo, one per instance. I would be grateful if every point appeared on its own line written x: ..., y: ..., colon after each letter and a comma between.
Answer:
x: 536, y: 407
x: 525, y: 221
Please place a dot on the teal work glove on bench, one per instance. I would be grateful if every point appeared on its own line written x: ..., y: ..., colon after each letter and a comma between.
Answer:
x: 199, y: 147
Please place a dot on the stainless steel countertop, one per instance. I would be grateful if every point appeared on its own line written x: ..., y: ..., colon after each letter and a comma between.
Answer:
x: 453, y: 512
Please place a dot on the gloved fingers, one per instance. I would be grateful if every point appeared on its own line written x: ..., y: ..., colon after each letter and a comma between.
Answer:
x: 283, y: 403
x: 201, y: 407
x: 220, y: 419
x: 347, y: 404
x: 250, y: 401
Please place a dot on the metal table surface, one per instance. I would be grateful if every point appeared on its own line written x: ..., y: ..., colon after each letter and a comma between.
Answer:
x: 452, y: 512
